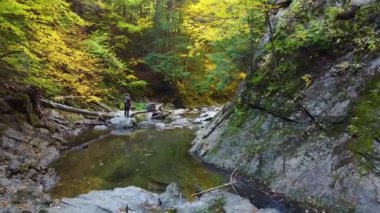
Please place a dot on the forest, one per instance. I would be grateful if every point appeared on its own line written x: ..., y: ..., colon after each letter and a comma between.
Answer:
x: 195, y: 51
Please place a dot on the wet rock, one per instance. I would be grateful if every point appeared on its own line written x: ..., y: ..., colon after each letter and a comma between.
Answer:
x: 180, y: 111
x: 139, y: 200
x: 48, y: 182
x: 171, y: 197
x: 181, y: 122
x: 206, y: 116
x: 123, y: 122
x: 194, y: 111
x: 121, y: 132
x: 209, y: 114
x: 49, y: 154
x: 204, y: 109
x: 197, y: 121
x: 160, y: 126
x: 109, y: 201
x: 144, y: 124
x: 100, y: 127
x: 268, y: 211
x: 238, y: 204
x: 175, y: 117
x: 220, y: 200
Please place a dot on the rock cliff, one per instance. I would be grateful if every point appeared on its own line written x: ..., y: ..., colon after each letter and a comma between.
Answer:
x: 306, y: 120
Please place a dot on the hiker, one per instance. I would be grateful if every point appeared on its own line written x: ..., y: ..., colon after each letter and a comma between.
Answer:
x: 127, y: 105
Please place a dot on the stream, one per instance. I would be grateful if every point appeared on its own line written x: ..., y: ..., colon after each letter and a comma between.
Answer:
x: 149, y: 159
x: 146, y: 158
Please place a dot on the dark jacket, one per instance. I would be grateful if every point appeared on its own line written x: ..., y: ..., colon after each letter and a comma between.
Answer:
x: 127, y: 102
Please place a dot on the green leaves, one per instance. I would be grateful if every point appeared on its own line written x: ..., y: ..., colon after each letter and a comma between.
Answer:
x: 131, y: 28
x: 168, y: 64
x: 55, y: 53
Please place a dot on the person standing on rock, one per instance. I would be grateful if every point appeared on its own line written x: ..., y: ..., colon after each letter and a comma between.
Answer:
x: 127, y: 105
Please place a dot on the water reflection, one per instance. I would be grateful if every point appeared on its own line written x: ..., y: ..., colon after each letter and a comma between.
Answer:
x: 146, y: 158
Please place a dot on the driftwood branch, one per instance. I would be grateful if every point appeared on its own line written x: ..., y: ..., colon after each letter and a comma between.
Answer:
x: 232, y: 179
x: 211, y: 189
x: 231, y: 183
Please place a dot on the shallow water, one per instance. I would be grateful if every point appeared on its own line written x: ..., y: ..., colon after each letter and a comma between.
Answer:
x: 146, y: 158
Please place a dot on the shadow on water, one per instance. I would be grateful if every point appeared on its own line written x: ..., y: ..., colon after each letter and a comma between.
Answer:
x: 151, y: 160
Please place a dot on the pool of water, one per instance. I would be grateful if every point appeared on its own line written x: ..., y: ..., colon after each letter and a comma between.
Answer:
x: 145, y: 158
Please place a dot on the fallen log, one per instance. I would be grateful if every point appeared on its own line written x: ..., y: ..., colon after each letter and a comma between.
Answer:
x: 48, y: 103
x: 66, y: 108
x: 103, y: 115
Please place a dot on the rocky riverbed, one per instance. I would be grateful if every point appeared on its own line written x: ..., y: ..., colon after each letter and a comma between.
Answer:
x: 28, y: 150
x: 30, y: 142
x: 135, y: 199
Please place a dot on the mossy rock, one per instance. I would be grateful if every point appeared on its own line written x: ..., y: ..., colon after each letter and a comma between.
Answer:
x: 364, y: 125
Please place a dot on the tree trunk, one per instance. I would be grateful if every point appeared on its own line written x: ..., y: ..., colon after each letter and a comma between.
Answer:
x: 48, y: 103
x: 106, y: 115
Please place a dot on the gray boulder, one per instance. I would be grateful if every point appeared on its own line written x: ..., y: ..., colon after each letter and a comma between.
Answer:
x: 181, y: 122
x: 123, y: 122
x: 140, y: 200
x: 106, y: 201
x: 172, y: 197
x: 218, y: 200
x: 160, y: 126
x: 180, y: 111
x: 100, y: 127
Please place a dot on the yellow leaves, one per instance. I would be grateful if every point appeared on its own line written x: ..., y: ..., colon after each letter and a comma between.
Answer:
x: 307, y: 78
x: 64, y: 60
x: 131, y: 78
x: 242, y: 75
x: 145, y: 23
x: 93, y: 98
x: 135, y: 61
x: 83, y: 89
x: 209, y: 65
x: 54, y: 55
x: 211, y: 21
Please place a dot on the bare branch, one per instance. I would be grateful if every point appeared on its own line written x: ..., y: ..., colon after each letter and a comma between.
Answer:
x: 211, y: 189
